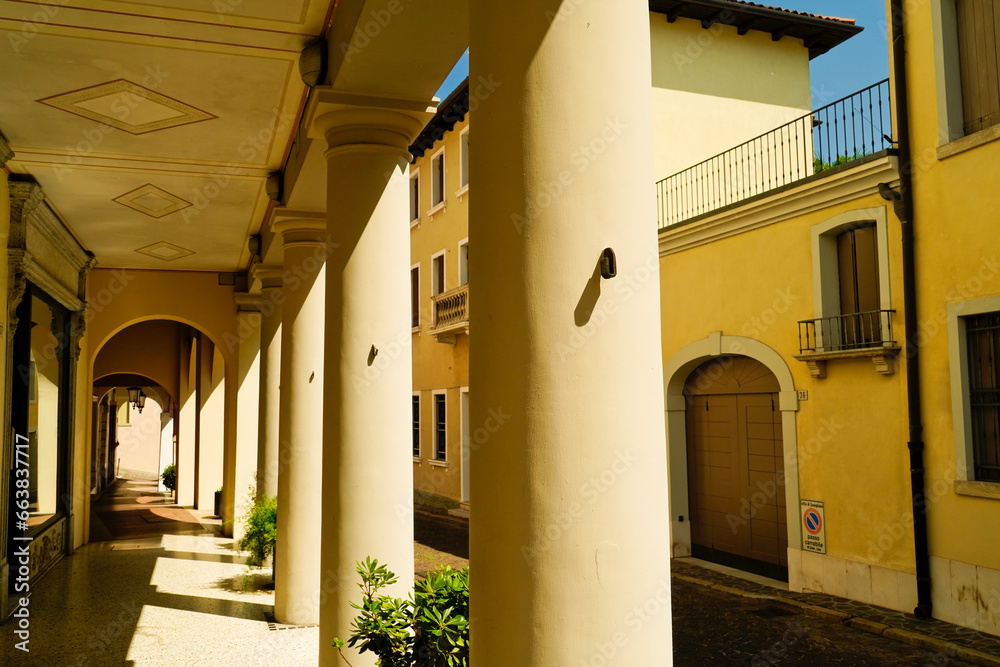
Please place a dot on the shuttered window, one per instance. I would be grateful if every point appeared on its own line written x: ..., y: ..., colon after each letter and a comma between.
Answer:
x: 440, y: 431
x: 416, y: 426
x: 857, y: 258
x: 415, y: 297
x: 978, y: 28
x: 983, y: 349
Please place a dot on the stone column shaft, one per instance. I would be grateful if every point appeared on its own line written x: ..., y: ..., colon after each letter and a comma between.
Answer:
x: 368, y: 477
x: 270, y: 378
x: 300, y: 422
x: 570, y: 529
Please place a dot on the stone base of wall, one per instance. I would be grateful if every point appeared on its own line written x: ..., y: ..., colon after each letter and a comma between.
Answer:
x: 961, y: 593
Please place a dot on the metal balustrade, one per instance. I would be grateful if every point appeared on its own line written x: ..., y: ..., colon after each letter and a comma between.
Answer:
x: 839, y: 133
x: 854, y: 331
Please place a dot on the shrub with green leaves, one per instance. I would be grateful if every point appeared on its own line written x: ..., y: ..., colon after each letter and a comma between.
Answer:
x: 169, y: 477
x: 430, y: 629
x: 261, y: 531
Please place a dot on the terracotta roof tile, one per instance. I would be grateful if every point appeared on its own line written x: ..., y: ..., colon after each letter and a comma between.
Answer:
x: 792, y: 11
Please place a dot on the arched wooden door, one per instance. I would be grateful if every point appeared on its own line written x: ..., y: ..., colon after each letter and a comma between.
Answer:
x: 736, y: 466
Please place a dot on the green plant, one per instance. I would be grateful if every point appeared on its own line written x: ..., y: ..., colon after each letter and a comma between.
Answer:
x: 819, y: 165
x: 261, y: 520
x: 169, y: 477
x: 430, y: 629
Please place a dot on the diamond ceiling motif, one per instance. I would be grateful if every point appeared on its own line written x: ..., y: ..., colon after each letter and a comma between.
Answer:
x: 165, y: 251
x: 127, y: 106
x: 152, y: 201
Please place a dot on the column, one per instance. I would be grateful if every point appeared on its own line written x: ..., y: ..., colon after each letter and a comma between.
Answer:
x: 5, y: 375
x: 271, y: 299
x: 237, y: 489
x: 367, y: 461
x: 569, y: 542
x: 300, y: 420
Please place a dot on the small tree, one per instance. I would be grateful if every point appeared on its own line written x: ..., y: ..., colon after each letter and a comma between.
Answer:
x: 430, y: 629
x: 169, y: 477
x: 261, y: 520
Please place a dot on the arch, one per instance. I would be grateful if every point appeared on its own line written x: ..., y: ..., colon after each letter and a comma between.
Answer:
x: 120, y: 298
x: 675, y: 375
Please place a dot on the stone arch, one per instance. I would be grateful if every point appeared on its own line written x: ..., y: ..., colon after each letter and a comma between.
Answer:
x: 675, y: 375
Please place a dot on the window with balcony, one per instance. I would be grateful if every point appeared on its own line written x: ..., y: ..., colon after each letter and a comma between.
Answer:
x: 850, y: 289
x: 463, y: 262
x: 437, y: 273
x: 977, y: 22
x: 857, y: 264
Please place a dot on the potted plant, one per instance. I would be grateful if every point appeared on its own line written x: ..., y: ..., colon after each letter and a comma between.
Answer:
x: 261, y: 531
x: 218, y: 502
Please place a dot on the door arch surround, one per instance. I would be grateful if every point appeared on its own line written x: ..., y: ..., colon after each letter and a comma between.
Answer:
x: 675, y: 375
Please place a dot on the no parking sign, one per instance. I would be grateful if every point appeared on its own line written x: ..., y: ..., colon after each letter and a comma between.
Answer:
x: 813, y: 526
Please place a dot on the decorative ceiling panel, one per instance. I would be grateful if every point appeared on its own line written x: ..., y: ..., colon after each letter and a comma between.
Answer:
x: 127, y: 106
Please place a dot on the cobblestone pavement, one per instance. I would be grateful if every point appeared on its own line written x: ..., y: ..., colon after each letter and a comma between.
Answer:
x: 722, y: 620
x: 714, y: 627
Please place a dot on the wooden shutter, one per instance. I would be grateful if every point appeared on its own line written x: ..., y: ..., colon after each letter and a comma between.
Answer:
x: 978, y: 27
x: 415, y: 296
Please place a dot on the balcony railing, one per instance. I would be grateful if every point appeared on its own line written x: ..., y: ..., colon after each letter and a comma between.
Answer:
x: 451, y: 313
x: 839, y: 133
x: 856, y: 331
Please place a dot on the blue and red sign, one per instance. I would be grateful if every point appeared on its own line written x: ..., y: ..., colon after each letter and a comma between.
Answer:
x: 813, y: 521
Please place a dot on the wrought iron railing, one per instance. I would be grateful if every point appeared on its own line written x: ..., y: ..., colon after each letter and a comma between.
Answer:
x: 854, y: 331
x: 451, y: 308
x: 839, y: 133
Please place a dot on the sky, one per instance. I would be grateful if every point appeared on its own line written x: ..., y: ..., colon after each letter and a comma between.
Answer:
x: 857, y: 63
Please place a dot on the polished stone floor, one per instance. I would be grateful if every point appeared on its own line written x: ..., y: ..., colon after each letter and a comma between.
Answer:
x: 170, y: 593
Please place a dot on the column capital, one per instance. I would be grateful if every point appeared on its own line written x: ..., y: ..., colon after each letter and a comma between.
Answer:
x: 268, y: 275
x: 247, y: 302
x: 299, y: 227
x: 351, y: 121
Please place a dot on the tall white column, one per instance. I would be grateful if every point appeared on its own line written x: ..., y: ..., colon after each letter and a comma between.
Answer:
x: 570, y: 542
x: 367, y: 464
x: 244, y: 464
x: 300, y: 422
x: 271, y: 298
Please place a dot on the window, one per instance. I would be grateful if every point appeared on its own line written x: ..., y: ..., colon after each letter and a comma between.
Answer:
x: 463, y: 262
x: 850, y: 289
x: 416, y: 425
x: 437, y: 179
x: 437, y: 273
x: 978, y: 62
x: 983, y: 355
x: 463, y: 174
x: 415, y: 197
x: 415, y: 296
x: 857, y: 264
x: 440, y: 431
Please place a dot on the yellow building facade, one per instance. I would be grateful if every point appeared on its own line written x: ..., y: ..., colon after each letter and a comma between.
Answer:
x: 788, y: 356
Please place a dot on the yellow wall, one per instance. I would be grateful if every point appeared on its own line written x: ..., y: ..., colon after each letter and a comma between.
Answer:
x: 852, y: 429
x: 714, y: 89
x: 957, y: 260
x: 438, y: 365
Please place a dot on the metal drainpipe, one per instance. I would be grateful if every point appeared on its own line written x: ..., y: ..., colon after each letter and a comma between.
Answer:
x: 904, y: 209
